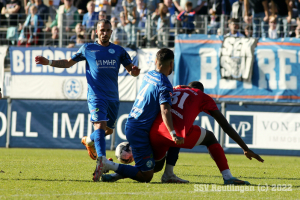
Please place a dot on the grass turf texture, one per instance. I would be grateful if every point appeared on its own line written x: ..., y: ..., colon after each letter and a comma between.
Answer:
x: 67, y: 174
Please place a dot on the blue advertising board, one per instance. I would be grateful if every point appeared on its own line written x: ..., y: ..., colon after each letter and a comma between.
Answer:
x: 275, y: 76
x: 50, y: 124
x: 3, y: 122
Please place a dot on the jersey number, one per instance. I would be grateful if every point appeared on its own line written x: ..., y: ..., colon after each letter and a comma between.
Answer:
x: 141, y: 95
x: 181, y: 101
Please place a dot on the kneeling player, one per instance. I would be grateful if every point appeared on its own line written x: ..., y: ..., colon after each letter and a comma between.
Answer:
x: 187, y: 103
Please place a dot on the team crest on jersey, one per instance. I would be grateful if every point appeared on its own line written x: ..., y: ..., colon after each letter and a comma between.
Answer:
x: 112, y: 51
x: 149, y: 163
x: 94, y: 116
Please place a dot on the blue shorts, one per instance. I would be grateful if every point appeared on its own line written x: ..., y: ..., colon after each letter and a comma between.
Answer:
x: 104, y: 110
x: 141, y: 149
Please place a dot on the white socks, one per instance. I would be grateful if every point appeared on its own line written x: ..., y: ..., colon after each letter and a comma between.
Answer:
x: 169, y: 170
x: 109, y: 164
x: 226, y: 174
x: 88, y: 141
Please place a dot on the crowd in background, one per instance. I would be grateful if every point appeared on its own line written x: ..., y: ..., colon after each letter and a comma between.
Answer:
x: 28, y: 21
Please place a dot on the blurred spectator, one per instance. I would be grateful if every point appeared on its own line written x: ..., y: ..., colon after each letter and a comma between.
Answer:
x: 80, y: 40
x: 32, y: 26
x: 272, y: 28
x: 174, y: 8
x: 284, y: 15
x: 187, y: 17
x: 131, y: 20
x: 214, y: 10
x: 122, y: 19
x: 54, y: 40
x: 248, y: 30
x: 115, y: 10
x: 201, y: 8
x: 71, y: 16
x: 91, y: 17
x: 234, y: 28
x: 79, y: 30
x: 297, y: 32
x: 81, y: 6
x: 42, y: 10
x: 151, y: 6
x: 163, y: 26
x: 142, y: 13
x: 237, y: 10
x: 260, y: 16
x: 118, y: 36
x: 105, y: 5
x: 219, y: 33
x: 28, y: 4
x: 11, y: 11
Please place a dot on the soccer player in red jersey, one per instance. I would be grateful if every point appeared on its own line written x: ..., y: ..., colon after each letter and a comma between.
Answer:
x: 187, y: 103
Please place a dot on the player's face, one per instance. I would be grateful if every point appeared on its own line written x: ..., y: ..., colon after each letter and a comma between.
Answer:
x: 104, y: 32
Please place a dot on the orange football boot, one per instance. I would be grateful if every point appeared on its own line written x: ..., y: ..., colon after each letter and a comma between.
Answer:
x: 91, y: 149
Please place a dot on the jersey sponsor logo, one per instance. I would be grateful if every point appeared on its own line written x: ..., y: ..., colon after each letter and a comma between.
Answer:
x: 72, y: 88
x: 112, y: 51
x: 95, y: 110
x: 106, y: 62
x: 149, y: 163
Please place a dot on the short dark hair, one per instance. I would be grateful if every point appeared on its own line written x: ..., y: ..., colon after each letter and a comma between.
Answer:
x: 164, y: 54
x: 80, y: 36
x: 236, y: 21
x: 105, y: 21
x: 189, y: 4
x: 197, y: 85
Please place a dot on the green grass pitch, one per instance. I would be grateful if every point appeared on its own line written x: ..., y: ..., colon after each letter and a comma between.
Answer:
x: 67, y: 174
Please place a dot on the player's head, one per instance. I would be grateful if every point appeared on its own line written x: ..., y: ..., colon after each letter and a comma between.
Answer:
x: 103, y: 31
x: 165, y: 61
x: 197, y: 85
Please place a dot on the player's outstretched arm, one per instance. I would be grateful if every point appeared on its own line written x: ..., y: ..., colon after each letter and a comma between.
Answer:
x: 55, y: 63
x: 219, y: 117
x: 133, y: 70
x: 167, y: 119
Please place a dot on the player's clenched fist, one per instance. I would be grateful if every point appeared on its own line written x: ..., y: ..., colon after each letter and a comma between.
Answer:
x: 178, y: 140
x: 41, y: 60
x: 135, y: 71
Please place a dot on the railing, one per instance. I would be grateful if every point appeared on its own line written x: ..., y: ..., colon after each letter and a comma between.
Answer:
x: 148, y: 36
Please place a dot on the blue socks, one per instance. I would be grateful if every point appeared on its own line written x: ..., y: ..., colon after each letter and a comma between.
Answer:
x: 98, y: 136
x: 127, y: 171
x: 172, y: 155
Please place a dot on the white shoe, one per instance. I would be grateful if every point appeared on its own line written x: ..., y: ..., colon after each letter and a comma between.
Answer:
x: 100, y: 169
x: 172, y: 179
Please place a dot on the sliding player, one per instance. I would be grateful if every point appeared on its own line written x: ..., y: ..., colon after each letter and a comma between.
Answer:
x: 187, y: 103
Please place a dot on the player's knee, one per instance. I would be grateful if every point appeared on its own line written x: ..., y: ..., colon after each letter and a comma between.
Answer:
x: 209, y: 139
x: 159, y: 165
x: 108, y: 131
x: 148, y: 177
x: 100, y: 125
x: 144, y: 176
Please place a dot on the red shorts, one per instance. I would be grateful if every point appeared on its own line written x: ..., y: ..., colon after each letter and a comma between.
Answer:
x: 161, y: 141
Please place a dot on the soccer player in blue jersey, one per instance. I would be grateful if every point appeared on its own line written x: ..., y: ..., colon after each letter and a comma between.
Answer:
x: 103, y: 60
x: 154, y: 97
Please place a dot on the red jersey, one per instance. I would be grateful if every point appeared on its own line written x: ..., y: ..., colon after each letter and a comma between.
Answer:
x: 187, y: 103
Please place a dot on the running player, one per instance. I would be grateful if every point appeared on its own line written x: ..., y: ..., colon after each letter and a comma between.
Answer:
x: 154, y: 97
x: 187, y: 103
x: 103, y: 60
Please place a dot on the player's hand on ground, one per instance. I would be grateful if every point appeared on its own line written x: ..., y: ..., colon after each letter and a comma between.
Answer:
x: 250, y: 154
x: 41, y: 60
x: 135, y: 71
x: 178, y: 140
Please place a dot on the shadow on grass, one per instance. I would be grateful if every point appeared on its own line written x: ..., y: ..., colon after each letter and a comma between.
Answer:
x: 280, y: 178
x: 40, y: 179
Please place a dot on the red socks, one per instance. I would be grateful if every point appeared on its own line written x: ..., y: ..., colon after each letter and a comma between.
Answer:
x: 218, y: 155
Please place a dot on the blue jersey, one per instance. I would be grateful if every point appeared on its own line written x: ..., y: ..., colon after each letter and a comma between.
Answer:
x: 102, y: 68
x: 156, y: 89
